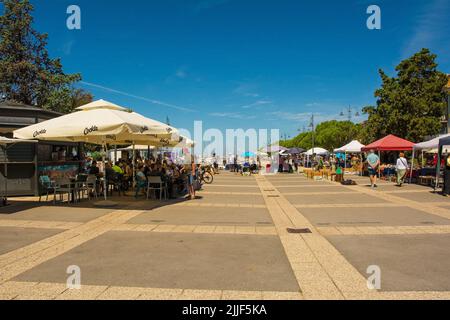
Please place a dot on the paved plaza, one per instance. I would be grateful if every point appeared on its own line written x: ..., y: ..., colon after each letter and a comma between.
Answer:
x: 234, y: 242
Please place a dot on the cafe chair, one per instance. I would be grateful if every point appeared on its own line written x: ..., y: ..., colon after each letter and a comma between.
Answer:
x: 66, y: 186
x: 156, y: 184
x: 46, y: 186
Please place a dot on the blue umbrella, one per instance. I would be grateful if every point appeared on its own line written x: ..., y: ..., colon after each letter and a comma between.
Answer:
x: 248, y: 154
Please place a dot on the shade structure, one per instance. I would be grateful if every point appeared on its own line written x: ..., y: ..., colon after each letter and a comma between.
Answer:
x: 317, y: 151
x: 390, y: 143
x: 248, y: 154
x: 430, y: 144
x: 273, y: 149
x: 353, y: 147
x: 102, y: 122
x: 295, y: 151
x: 5, y: 143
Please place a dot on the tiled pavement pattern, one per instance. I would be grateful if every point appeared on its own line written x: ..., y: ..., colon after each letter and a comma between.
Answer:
x: 233, y: 243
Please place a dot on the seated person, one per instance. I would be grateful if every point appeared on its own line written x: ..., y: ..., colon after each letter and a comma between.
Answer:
x: 94, y: 170
x: 141, y: 180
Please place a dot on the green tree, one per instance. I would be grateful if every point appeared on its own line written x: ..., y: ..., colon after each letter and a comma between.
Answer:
x: 409, y: 105
x: 329, y: 135
x: 28, y: 74
x: 67, y: 99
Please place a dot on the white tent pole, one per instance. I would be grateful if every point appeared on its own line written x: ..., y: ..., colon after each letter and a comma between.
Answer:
x: 438, y: 167
x: 412, y: 166
x: 379, y: 166
x: 345, y: 163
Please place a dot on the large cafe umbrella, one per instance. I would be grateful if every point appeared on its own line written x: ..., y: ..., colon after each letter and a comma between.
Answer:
x: 5, y: 144
x: 102, y: 122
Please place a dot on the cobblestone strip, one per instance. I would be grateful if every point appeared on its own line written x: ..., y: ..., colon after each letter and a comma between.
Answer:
x: 50, y: 291
x: 383, y: 230
x: 241, y: 230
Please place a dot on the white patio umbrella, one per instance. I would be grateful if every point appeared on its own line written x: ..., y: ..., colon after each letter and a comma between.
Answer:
x: 102, y: 122
x: 5, y: 144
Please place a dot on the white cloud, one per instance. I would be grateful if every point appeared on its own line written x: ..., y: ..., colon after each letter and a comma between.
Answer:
x: 431, y: 29
x: 256, y: 104
x: 231, y: 115
x: 152, y: 101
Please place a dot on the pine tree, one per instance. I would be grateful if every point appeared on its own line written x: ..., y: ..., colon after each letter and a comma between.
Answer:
x: 27, y: 73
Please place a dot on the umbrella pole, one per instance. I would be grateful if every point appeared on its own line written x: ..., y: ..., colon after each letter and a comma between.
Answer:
x: 134, y: 165
x: 105, y: 184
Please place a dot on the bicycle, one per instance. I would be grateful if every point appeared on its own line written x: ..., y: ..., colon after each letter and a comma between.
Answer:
x: 206, y: 176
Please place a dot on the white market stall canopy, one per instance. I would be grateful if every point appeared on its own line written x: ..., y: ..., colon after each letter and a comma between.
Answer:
x: 432, y: 144
x: 317, y: 151
x: 353, y: 147
x: 102, y: 122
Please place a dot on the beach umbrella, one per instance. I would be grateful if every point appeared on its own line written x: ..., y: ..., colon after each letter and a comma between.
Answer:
x: 102, y: 122
x: 295, y: 151
x: 248, y: 154
x: 5, y: 144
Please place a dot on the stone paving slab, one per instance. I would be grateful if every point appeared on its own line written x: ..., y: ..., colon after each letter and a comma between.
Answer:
x: 423, y: 197
x: 253, y: 199
x: 58, y: 213
x: 396, y: 216
x: 332, y: 199
x: 12, y: 238
x: 234, y: 262
x: 314, y: 189
x: 204, y: 216
x: 407, y: 262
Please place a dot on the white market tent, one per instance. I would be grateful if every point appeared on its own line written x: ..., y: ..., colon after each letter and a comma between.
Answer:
x: 5, y: 143
x: 431, y: 146
x: 317, y: 151
x: 353, y: 147
x: 102, y: 122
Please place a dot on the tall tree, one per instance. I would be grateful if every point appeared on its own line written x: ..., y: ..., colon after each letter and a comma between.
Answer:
x: 329, y: 135
x: 409, y: 105
x: 27, y: 73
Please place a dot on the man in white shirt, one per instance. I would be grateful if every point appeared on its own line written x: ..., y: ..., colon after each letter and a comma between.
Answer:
x: 402, y: 167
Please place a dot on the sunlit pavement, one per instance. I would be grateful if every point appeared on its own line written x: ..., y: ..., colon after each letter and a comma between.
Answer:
x: 233, y: 242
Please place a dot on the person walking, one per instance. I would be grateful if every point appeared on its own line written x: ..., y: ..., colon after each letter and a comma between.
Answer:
x: 446, y: 188
x: 401, y: 168
x: 373, y: 162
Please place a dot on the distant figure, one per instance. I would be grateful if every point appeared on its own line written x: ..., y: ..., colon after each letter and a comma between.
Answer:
x: 373, y: 162
x: 402, y: 167
x: 446, y: 189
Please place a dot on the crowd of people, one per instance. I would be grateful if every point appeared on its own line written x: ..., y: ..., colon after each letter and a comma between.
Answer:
x: 179, y: 179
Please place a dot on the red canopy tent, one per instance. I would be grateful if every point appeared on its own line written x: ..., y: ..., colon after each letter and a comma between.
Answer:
x: 390, y: 143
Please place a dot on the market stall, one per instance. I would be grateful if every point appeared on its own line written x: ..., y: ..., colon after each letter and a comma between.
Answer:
x: 430, y: 146
x: 352, y: 147
x: 388, y: 143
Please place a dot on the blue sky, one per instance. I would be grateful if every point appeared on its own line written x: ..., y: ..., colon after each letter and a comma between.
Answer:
x: 240, y: 63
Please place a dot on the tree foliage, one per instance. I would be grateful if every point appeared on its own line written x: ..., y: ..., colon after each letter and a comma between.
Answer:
x: 409, y: 105
x: 27, y: 73
x: 329, y: 135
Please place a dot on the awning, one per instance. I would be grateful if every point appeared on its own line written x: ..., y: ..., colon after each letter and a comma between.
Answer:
x: 353, y: 147
x: 390, y: 143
